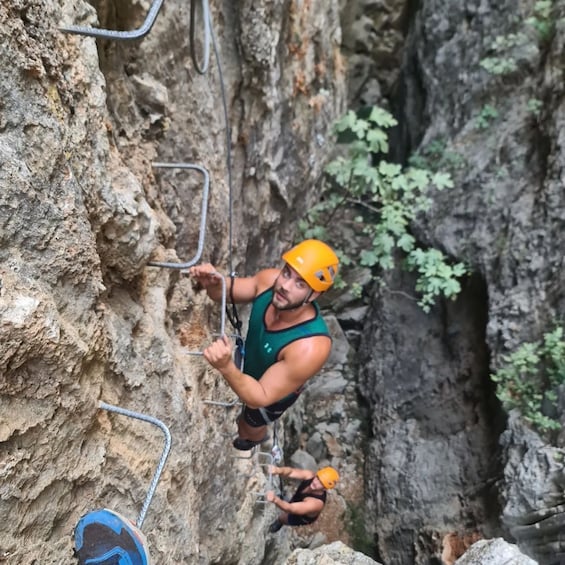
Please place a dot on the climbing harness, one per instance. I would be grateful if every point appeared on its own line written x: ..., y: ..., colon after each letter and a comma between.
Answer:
x: 104, y: 536
x: 233, y: 317
x: 203, y: 215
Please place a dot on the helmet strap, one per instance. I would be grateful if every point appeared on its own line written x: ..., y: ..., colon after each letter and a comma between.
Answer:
x: 307, y: 299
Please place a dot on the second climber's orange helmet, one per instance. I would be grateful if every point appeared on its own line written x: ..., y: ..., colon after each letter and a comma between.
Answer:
x: 328, y: 476
x: 315, y: 262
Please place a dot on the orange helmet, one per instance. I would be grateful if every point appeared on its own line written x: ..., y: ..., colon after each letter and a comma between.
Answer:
x: 328, y: 477
x: 315, y: 262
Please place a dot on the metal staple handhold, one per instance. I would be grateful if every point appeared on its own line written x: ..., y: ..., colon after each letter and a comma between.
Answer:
x: 196, y: 257
x: 268, y: 462
x: 164, y: 455
x: 114, y: 34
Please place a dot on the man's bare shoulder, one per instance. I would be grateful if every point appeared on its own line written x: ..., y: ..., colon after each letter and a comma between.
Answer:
x: 309, y: 353
x: 321, y: 344
x: 265, y: 279
x: 245, y: 289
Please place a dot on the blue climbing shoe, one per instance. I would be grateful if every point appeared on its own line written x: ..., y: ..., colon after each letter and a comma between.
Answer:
x: 103, y: 537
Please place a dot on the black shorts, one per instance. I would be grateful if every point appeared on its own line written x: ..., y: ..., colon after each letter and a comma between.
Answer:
x: 296, y: 520
x: 257, y: 417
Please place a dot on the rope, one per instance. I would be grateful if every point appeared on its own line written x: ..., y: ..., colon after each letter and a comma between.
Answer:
x: 233, y: 315
x: 228, y: 141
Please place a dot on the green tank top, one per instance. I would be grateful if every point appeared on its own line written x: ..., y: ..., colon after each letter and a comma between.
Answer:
x: 262, y: 346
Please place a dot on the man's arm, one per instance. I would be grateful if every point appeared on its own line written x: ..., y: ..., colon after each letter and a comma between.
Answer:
x: 301, y: 360
x: 245, y: 289
x: 309, y: 505
x: 292, y: 473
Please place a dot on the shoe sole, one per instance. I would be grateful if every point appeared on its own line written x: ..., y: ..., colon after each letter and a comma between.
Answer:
x: 103, y: 537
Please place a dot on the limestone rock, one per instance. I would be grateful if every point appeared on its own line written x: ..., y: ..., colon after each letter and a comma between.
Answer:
x: 336, y: 553
x: 494, y: 552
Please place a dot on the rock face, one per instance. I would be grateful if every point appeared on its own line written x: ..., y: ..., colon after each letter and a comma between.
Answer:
x: 533, y: 492
x: 434, y: 418
x: 86, y: 206
x: 83, y: 318
x: 335, y: 553
x: 492, y: 552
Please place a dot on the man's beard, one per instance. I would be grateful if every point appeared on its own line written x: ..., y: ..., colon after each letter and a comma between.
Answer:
x: 288, y: 305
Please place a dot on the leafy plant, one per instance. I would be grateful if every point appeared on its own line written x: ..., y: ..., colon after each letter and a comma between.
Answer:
x: 499, y: 65
x: 486, y: 115
x: 388, y: 197
x: 435, y: 156
x: 436, y: 277
x: 506, y: 50
x: 541, y: 19
x: 534, y: 106
x: 502, y: 61
x: 529, y: 377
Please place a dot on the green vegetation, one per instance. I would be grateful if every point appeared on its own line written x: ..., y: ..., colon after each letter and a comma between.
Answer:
x: 535, y: 106
x: 502, y: 60
x: 385, y: 198
x: 435, y: 156
x: 487, y: 114
x: 529, y: 377
x: 505, y: 49
x: 361, y: 540
x: 541, y: 19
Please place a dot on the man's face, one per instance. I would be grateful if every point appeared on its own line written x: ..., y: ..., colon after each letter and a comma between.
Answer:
x: 316, y: 483
x: 290, y: 290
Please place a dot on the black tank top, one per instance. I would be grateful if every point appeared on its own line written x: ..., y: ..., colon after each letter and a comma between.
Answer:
x: 299, y: 496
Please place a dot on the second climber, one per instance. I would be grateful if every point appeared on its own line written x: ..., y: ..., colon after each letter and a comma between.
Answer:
x: 309, y: 499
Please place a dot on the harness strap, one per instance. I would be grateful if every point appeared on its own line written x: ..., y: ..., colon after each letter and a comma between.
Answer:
x: 265, y: 416
x: 233, y: 316
x: 237, y: 324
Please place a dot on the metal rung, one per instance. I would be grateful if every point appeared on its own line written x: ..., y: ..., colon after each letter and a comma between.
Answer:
x: 201, y: 68
x: 114, y: 34
x: 164, y: 455
x: 225, y: 404
x: 202, y: 230
x: 267, y: 462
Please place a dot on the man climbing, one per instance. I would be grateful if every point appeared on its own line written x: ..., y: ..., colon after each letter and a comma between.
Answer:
x: 308, y: 500
x: 287, y: 340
